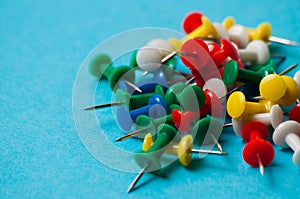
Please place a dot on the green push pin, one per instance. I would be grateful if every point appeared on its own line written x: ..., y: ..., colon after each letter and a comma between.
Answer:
x: 147, y: 125
x: 140, y: 100
x: 190, y: 97
x: 233, y: 73
x: 101, y: 67
x: 207, y: 126
x: 150, y: 161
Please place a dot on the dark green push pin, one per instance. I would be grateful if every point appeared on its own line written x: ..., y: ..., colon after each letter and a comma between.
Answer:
x: 147, y: 125
x: 150, y: 161
x: 189, y: 97
x: 101, y: 67
x: 207, y: 126
x: 233, y: 73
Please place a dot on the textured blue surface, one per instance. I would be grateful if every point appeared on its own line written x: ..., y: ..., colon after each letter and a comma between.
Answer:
x: 42, y: 45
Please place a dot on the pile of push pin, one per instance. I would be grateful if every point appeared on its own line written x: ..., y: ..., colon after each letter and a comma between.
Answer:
x: 227, y: 62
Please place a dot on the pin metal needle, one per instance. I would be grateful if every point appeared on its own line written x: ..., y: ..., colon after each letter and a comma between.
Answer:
x: 289, y: 69
x: 283, y: 41
x: 136, y: 179
x: 104, y: 105
x: 129, y: 135
x: 209, y: 152
x: 261, y: 166
x: 217, y: 142
x: 133, y: 86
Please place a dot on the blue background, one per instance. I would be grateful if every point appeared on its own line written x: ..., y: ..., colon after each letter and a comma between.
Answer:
x: 42, y: 45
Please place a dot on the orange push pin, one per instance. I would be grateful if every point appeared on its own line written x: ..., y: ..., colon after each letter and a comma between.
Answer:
x: 237, y: 105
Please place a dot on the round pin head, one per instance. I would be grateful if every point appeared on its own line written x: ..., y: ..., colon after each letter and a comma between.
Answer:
x: 258, y: 149
x: 98, y: 65
x: 184, y: 150
x: 192, y: 98
x: 283, y: 130
x: 170, y: 96
x: 122, y: 72
x: 272, y: 87
x: 262, y: 51
x: 263, y: 32
x: 229, y: 49
x: 163, y: 46
x: 148, y: 59
x: 292, y: 92
x: 191, y: 22
x: 147, y: 142
x: 257, y: 127
x: 217, y: 86
x: 230, y: 72
x: 277, y: 116
x: 295, y: 113
x: 203, y: 128
x: 236, y: 104
x: 239, y: 35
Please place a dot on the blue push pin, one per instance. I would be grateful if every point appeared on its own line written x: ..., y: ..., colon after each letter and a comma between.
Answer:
x: 148, y: 86
x: 156, y: 108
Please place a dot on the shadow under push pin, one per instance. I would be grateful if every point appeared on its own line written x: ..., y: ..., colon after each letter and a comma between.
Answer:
x: 257, y: 152
x: 183, y: 150
x: 101, y: 67
x: 238, y: 106
x: 146, y: 124
x: 207, y: 131
x: 156, y: 108
x: 256, y: 52
x: 287, y: 134
x: 273, y: 118
x: 263, y: 32
x: 212, y: 106
x: 150, y: 161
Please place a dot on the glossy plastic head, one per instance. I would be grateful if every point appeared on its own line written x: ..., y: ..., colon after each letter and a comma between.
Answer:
x: 236, y: 104
x: 184, y: 150
x: 272, y: 87
x: 230, y: 73
x: 295, y: 113
x: 98, y: 64
x: 192, y: 98
x: 191, y: 22
x: 292, y: 92
x: 256, y: 126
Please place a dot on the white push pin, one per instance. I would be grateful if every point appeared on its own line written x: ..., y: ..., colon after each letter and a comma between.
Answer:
x: 239, y: 35
x: 148, y: 59
x: 163, y: 46
x: 297, y: 79
x: 256, y: 52
x: 221, y: 30
x: 287, y: 134
x: 274, y: 118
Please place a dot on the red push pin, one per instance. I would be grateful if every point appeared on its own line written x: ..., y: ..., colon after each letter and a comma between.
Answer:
x: 195, y: 55
x: 257, y: 152
x: 226, y: 50
x: 191, y: 22
x: 212, y: 106
x: 295, y: 113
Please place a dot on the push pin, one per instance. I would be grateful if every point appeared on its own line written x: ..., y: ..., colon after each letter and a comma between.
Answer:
x: 257, y: 152
x: 150, y: 161
x: 100, y: 67
x: 287, y: 134
x: 183, y: 150
x: 145, y: 123
x: 274, y: 118
x: 238, y: 106
x: 206, y: 131
x: 156, y: 108
x: 295, y: 113
x: 263, y: 32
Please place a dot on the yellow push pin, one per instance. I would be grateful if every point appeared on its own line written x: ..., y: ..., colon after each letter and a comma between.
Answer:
x: 237, y: 105
x: 263, y: 32
x: 183, y: 150
x: 291, y: 94
x: 272, y: 87
x: 228, y: 22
